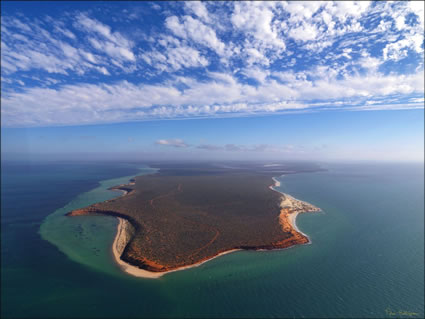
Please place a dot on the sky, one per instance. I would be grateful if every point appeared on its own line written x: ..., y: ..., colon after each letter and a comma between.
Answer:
x: 213, y: 80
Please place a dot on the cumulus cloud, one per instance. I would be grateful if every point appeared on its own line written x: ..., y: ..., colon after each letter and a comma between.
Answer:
x: 211, y: 60
x: 199, y: 9
x: 255, y: 20
x: 398, y: 50
x: 193, y: 29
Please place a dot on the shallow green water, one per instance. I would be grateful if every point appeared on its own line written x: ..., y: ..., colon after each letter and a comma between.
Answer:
x: 365, y: 260
x: 87, y: 239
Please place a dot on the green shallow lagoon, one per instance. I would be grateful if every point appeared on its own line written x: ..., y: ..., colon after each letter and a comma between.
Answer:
x: 365, y: 260
x: 87, y: 239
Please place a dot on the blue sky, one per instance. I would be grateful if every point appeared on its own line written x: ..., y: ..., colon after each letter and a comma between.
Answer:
x: 289, y: 80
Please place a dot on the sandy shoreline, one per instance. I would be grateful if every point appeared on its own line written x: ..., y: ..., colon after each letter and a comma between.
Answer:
x: 138, y: 272
x: 293, y: 221
x: 276, y: 183
x: 117, y: 248
x: 123, y: 235
x: 297, y: 206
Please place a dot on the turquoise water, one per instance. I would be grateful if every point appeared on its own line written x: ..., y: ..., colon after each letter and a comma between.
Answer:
x: 366, y: 258
x: 87, y: 239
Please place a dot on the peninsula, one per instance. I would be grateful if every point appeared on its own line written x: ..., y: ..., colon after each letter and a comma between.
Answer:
x: 184, y: 215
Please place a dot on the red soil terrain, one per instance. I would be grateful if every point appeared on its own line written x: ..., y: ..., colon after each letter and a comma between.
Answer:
x: 184, y: 219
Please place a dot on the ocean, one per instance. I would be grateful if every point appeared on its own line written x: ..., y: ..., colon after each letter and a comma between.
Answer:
x: 366, y: 257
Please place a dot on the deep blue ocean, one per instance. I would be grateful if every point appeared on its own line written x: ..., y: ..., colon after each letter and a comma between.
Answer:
x: 366, y: 259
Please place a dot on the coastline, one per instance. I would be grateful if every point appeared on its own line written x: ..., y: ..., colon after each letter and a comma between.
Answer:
x: 291, y: 207
x: 276, y: 183
x: 138, y: 272
x: 120, y: 241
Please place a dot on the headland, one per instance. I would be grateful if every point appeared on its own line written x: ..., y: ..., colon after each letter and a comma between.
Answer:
x: 181, y: 218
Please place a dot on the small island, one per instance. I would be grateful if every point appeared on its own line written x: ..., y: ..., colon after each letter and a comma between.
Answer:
x: 182, y: 216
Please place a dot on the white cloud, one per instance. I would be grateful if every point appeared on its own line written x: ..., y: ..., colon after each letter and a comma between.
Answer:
x: 172, y: 142
x: 185, y: 57
x: 20, y: 25
x: 64, y: 31
x: 41, y: 49
x: 209, y: 53
x: 262, y: 37
x: 344, y: 10
x: 254, y: 56
x: 399, y: 49
x: 114, y: 51
x: 256, y: 73
x: 387, y: 107
x: 368, y: 62
x: 173, y: 59
x: 417, y: 8
x: 199, y: 9
x: 305, y: 32
x: 103, y: 70
x: 301, y: 11
x: 194, y: 30
x: 255, y: 19
x: 94, y: 25
x: 221, y: 96
x: 417, y: 100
